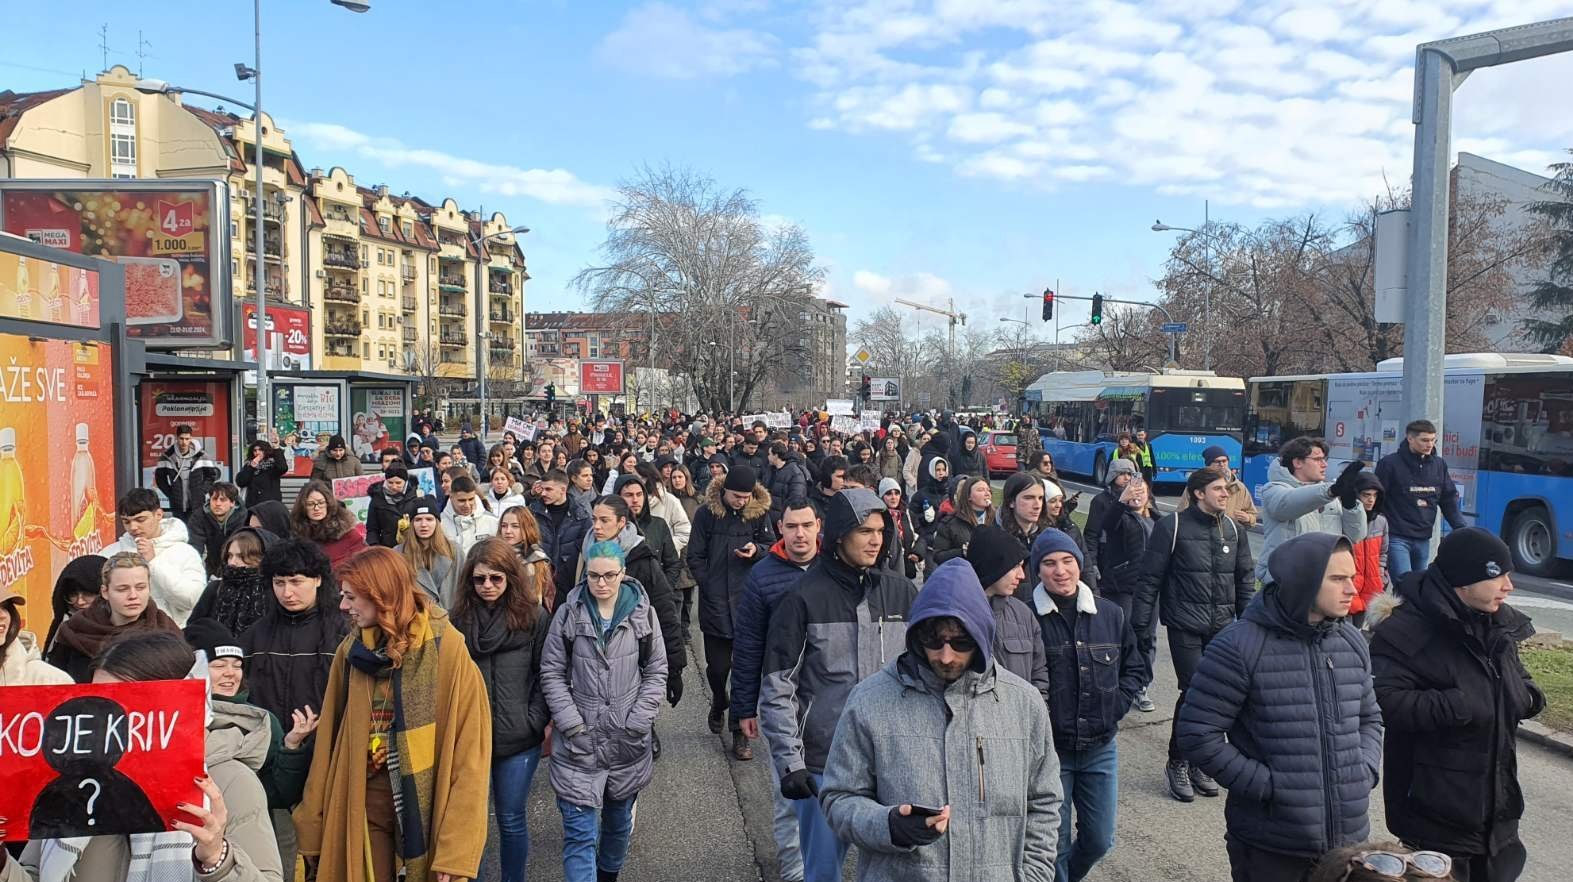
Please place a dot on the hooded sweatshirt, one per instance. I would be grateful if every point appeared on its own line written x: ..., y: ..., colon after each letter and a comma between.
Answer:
x: 176, y: 572
x: 466, y: 530
x: 1371, y: 577
x: 1291, y: 507
x: 81, y: 576
x: 238, y: 598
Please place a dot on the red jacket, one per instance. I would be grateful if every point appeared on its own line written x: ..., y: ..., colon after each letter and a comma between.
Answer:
x: 1371, y: 576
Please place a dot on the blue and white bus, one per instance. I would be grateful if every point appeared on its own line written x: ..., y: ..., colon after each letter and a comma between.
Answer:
x: 1507, y: 436
x: 1081, y: 414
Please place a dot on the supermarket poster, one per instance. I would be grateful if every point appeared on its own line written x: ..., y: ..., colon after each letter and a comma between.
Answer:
x: 169, y: 404
x: 171, y: 239
x: 377, y: 421
x: 301, y: 413
x: 57, y: 462
x: 41, y: 290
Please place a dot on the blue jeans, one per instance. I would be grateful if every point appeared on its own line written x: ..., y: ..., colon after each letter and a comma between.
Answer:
x: 1089, y: 779
x: 1404, y: 555
x: 595, y: 838
x: 823, y: 853
x: 511, y: 777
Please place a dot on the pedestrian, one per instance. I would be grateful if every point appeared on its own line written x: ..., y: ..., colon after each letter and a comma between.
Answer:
x: 996, y: 557
x: 498, y: 610
x: 1096, y: 672
x: 562, y: 532
x: 76, y: 589
x: 175, y: 568
x: 327, y: 521
x: 269, y: 515
x: 1281, y: 712
x: 903, y: 557
x: 518, y: 528
x: 473, y: 448
x: 1198, y: 577
x: 398, y: 789
x: 392, y: 501
x: 184, y: 473
x: 845, y: 621
x: 1057, y: 513
x: 972, y: 506
x: 1453, y: 691
x: 1240, y: 508
x: 1144, y: 457
x: 335, y: 462
x: 1371, y: 573
x: 1417, y: 486
x: 261, y: 473
x: 786, y: 480
x: 1043, y: 465
x: 466, y: 520
x: 1127, y: 533
x: 501, y: 493
x: 1021, y: 509
x: 1029, y: 444
x: 768, y: 582
x: 890, y: 458
x: 605, y: 641
x: 898, y: 779
x: 681, y: 485
x: 21, y: 658
x: 430, y: 554
x: 209, y: 526
x: 1299, y: 499
x: 663, y: 505
x: 731, y: 533
x: 1118, y: 474
x: 126, y: 604
x: 832, y: 477
x: 239, y: 597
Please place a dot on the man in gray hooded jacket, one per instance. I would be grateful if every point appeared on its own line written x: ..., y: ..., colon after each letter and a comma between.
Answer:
x: 943, y: 743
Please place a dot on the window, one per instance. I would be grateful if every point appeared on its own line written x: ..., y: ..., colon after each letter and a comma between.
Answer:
x: 122, y: 139
x: 365, y: 350
x: 408, y: 229
x: 384, y: 224
x: 381, y: 289
x: 1284, y: 409
x: 365, y: 286
x: 1527, y: 425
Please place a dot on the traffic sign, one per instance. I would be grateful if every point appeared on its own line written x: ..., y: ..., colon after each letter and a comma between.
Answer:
x: 1174, y: 327
x: 863, y: 355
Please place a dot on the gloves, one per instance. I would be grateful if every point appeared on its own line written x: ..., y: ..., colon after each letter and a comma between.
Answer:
x: 910, y: 831
x: 674, y: 690
x: 1345, y: 490
x: 798, y: 785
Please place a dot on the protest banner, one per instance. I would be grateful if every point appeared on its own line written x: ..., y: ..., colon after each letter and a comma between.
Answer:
x: 521, y: 430
x: 839, y: 406
x: 846, y: 425
x: 99, y: 759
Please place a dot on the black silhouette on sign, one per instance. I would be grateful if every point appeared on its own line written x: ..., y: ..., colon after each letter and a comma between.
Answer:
x: 89, y: 798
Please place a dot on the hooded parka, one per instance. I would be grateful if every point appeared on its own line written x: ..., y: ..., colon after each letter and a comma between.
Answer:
x: 717, y: 533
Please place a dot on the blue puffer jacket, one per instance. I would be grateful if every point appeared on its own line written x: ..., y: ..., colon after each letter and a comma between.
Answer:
x: 767, y: 584
x: 1283, y: 714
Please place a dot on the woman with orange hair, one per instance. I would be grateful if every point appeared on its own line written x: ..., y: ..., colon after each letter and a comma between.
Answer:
x: 406, y: 715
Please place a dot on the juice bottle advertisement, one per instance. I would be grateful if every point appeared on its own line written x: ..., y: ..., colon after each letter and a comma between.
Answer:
x: 35, y: 289
x: 57, y: 462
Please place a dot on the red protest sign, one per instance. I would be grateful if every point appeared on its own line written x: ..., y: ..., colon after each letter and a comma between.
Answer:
x: 99, y: 759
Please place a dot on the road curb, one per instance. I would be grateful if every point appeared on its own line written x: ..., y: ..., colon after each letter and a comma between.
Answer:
x: 1550, y: 739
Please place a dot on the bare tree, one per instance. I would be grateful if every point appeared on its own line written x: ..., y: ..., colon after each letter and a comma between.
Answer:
x: 1127, y: 340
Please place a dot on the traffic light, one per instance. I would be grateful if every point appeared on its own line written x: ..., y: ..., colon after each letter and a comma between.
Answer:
x: 1097, y: 309
x: 551, y: 394
x: 1048, y: 304
x: 867, y: 389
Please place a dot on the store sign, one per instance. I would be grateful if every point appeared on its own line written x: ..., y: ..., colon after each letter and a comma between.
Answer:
x: 34, y: 289
x: 600, y: 377
x: 167, y: 405
x: 57, y: 463
x: 289, y: 336
x: 170, y: 237
x: 378, y: 421
x: 302, y: 414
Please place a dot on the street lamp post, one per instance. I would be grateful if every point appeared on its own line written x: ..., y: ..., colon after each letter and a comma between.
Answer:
x: 481, y: 314
x: 1207, y: 293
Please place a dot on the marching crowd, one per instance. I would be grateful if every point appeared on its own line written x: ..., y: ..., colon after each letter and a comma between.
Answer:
x: 379, y: 685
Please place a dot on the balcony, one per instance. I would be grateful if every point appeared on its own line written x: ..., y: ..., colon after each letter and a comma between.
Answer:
x: 274, y: 289
x: 452, y: 309
x: 341, y: 350
x: 333, y: 328
x: 502, y: 316
x: 409, y: 335
x: 500, y: 286
x: 408, y: 272
x: 451, y: 283
x: 341, y: 260
x: 272, y: 245
x: 410, y: 304
x: 452, y: 340
x: 341, y: 294
x: 453, y: 358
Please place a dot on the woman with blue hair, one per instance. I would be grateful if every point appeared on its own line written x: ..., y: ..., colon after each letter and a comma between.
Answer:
x: 605, y: 641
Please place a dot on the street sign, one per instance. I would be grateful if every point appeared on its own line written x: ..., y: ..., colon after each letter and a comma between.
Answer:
x: 1173, y: 327
x: 863, y: 356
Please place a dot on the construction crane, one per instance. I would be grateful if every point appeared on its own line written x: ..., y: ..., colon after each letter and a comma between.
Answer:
x: 951, y: 313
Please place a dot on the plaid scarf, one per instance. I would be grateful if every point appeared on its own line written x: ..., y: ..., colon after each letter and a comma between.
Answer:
x: 412, y: 750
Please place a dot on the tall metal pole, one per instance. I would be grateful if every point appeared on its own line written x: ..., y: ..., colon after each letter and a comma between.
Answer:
x: 264, y: 401
x: 1207, y: 294
x: 481, y: 336
x: 731, y: 376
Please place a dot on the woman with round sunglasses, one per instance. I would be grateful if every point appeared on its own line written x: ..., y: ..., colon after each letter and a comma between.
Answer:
x: 498, y: 610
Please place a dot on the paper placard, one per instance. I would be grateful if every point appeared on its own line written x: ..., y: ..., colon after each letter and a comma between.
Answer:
x: 839, y: 407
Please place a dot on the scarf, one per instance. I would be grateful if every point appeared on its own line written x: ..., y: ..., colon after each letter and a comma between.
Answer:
x: 412, y: 749
x: 88, y: 631
x: 242, y: 598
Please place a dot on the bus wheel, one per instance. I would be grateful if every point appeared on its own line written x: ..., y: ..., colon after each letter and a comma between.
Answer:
x: 1100, y: 469
x: 1533, y: 541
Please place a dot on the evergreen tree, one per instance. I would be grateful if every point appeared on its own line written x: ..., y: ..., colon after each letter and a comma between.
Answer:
x: 1553, y: 295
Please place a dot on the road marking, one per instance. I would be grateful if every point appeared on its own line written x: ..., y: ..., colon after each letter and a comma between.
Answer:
x: 1531, y: 602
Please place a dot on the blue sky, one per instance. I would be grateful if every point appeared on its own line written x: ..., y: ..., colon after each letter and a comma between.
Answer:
x: 930, y: 148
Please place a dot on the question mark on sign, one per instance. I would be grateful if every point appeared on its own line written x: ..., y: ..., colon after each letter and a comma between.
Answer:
x: 91, y: 800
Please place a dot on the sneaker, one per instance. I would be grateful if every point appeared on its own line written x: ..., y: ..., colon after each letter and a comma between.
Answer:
x: 1203, y: 784
x: 717, y: 720
x: 740, y: 747
x: 1179, y: 780
x: 1144, y: 704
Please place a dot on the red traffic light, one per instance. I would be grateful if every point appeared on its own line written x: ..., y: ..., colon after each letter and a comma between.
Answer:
x: 1048, y: 304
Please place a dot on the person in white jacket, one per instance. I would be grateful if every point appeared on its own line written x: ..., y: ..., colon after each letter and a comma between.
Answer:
x: 666, y: 506
x: 21, y: 662
x: 466, y: 520
x: 1298, y: 499
x: 502, y: 493
x: 175, y: 569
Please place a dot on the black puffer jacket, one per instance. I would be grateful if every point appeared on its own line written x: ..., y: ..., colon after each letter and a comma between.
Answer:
x: 1197, y: 571
x: 968, y: 462
x: 385, y: 512
x: 510, y: 664
x: 288, y: 655
x: 1122, y: 550
x: 952, y: 537
x: 1453, y: 691
x: 262, y: 481
x: 717, y: 532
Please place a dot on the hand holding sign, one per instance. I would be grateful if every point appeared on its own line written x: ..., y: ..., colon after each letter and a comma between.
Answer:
x: 207, y: 838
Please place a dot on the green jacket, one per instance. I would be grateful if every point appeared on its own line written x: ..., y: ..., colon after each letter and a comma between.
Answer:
x: 283, y: 773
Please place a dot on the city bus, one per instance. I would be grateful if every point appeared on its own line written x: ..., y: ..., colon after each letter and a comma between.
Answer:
x: 1506, y: 433
x: 1080, y: 415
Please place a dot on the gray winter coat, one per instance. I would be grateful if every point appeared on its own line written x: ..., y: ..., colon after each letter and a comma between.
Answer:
x: 604, y: 698
x: 1018, y: 643
x: 438, y: 582
x: 1291, y: 508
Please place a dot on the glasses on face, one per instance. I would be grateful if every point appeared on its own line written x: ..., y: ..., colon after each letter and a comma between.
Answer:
x: 316, y: 503
x: 482, y: 579
x: 1317, y: 458
x: 958, y: 643
x: 1224, y: 461
x: 1434, y: 864
x: 602, y: 577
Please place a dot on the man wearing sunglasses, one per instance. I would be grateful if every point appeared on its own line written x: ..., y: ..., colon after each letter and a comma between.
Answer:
x: 945, y: 744
x: 1298, y: 499
x: 1453, y: 690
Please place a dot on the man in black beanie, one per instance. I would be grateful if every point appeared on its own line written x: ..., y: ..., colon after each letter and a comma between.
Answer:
x: 996, y: 556
x: 731, y: 532
x: 1453, y: 690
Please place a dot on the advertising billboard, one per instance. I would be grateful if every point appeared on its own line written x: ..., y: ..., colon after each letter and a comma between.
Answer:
x: 45, y: 291
x: 57, y: 462
x: 171, y: 237
x: 600, y: 377
x: 377, y: 420
x: 302, y: 413
x: 169, y: 404
x: 1365, y: 420
x: 289, y: 336
x: 884, y: 389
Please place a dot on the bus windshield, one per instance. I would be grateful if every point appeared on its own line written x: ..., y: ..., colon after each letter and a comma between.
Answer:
x: 1195, y: 410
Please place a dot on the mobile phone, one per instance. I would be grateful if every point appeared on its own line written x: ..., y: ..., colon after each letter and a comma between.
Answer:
x: 1075, y: 496
x: 924, y: 811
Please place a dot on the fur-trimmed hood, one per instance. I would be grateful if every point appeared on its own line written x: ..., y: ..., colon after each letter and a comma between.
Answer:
x: 757, y: 507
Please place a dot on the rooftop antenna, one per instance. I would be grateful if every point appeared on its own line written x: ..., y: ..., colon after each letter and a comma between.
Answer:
x: 103, y: 43
x: 142, y: 47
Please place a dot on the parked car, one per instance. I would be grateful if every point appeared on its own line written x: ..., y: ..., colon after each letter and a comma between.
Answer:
x: 999, y: 452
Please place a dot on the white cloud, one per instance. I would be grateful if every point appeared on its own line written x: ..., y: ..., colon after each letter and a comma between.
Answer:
x: 1316, y: 24
x: 661, y: 40
x: 553, y: 186
x: 985, y: 128
x: 921, y: 287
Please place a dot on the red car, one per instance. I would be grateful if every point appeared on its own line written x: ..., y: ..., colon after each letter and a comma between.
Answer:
x: 999, y: 452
